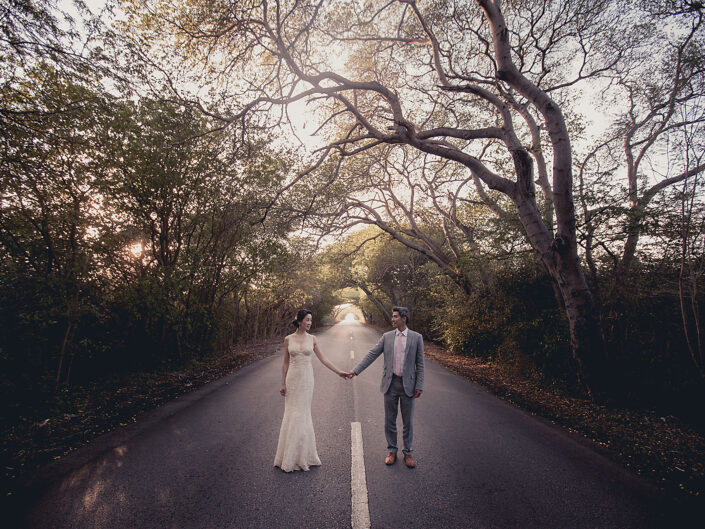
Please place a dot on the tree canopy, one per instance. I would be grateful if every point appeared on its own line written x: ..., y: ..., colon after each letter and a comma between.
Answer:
x: 195, y: 170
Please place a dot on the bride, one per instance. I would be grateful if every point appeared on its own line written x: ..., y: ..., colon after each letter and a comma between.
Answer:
x: 296, y: 449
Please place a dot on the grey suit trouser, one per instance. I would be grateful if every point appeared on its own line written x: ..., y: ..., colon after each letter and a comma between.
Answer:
x: 395, y: 398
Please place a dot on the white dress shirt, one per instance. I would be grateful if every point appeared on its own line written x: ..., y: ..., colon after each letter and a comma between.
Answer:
x: 399, y: 351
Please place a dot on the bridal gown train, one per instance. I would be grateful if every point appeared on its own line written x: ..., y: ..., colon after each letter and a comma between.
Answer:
x: 296, y: 449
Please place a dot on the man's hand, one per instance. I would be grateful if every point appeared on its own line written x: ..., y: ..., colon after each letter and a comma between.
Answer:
x: 344, y: 374
x: 349, y: 374
x: 417, y: 393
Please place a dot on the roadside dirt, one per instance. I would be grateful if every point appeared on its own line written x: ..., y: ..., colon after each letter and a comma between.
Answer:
x: 663, y: 449
x: 27, y: 446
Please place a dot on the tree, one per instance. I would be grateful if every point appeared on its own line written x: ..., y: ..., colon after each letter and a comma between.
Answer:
x: 658, y: 69
x: 448, y: 80
x: 197, y: 208
x: 692, y: 252
x: 48, y: 175
x: 131, y: 230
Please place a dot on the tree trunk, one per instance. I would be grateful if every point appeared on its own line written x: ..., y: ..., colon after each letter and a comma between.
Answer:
x: 236, y: 319
x: 68, y: 371
x: 585, y: 336
x: 377, y: 302
x: 696, y: 357
x: 62, y: 353
x: 559, y: 258
x: 559, y: 254
x: 625, y: 264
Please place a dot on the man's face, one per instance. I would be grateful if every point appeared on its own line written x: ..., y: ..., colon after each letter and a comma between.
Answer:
x: 397, y: 321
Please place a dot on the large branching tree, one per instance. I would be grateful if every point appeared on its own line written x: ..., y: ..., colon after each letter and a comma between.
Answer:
x: 449, y: 79
x: 424, y: 203
x: 655, y: 91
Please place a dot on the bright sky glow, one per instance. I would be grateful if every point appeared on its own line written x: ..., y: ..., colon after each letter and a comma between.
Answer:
x: 136, y: 249
x: 304, y: 122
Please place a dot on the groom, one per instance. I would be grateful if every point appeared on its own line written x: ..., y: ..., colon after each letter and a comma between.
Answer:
x: 402, y: 380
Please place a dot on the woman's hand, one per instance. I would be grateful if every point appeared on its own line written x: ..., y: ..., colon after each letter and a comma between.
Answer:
x: 282, y: 390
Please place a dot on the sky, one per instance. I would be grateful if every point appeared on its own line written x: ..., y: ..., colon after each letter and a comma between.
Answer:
x: 596, y: 116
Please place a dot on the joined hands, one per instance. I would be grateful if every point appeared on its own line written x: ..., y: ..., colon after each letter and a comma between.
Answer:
x: 347, y: 375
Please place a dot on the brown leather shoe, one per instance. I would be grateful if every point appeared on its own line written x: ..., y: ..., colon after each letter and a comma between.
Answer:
x: 391, y: 458
x: 409, y: 461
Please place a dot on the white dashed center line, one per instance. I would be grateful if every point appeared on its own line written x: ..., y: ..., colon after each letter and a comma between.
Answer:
x: 360, y: 517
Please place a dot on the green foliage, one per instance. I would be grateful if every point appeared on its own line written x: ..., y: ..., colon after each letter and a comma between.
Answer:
x: 139, y: 233
x: 515, y: 319
x: 135, y: 235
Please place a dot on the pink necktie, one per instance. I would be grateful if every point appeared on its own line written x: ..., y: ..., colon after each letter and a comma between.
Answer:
x: 397, y: 354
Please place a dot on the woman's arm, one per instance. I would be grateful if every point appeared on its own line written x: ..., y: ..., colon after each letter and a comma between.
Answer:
x: 325, y: 361
x: 285, y: 367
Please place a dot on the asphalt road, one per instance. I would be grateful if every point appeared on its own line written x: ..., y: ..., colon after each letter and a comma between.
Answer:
x: 206, y: 461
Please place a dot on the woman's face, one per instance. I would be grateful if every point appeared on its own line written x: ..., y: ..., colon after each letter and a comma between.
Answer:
x: 306, y: 322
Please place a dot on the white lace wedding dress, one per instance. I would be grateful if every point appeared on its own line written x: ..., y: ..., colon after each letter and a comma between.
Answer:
x: 296, y: 449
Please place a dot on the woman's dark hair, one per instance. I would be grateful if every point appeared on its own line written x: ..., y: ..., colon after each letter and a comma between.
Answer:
x: 300, y: 316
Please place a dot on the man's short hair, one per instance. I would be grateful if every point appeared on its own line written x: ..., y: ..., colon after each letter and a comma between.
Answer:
x: 403, y: 312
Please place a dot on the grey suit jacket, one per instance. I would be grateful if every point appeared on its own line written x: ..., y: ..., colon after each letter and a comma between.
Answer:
x: 412, y: 374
